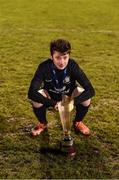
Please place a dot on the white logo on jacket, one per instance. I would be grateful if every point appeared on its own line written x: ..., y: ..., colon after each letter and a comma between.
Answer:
x: 67, y: 80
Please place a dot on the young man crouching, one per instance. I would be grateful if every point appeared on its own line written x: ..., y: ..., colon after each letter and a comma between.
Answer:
x: 59, y: 75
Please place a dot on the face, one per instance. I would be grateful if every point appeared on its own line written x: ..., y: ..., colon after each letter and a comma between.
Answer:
x: 60, y: 60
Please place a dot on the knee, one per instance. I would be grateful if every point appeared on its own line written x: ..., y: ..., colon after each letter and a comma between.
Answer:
x: 36, y: 104
x: 43, y: 93
x: 86, y: 103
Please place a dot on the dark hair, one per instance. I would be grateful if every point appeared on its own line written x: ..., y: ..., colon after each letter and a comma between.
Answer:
x: 60, y: 45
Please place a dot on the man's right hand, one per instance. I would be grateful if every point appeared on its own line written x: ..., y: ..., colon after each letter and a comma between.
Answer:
x: 56, y: 106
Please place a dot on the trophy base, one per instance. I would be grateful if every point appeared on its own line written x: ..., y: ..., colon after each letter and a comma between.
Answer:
x: 67, y: 147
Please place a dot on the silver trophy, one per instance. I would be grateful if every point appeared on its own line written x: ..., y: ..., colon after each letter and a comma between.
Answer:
x: 65, y: 108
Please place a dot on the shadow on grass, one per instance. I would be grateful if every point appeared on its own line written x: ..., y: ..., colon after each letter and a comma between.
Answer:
x: 47, y: 148
x: 50, y: 150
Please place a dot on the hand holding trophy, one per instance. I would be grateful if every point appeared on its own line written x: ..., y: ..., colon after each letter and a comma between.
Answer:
x: 65, y: 107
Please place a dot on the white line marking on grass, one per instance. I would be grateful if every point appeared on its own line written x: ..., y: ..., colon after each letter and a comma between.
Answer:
x: 68, y: 30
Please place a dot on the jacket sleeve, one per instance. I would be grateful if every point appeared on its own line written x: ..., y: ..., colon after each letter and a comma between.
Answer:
x: 82, y: 79
x: 35, y: 85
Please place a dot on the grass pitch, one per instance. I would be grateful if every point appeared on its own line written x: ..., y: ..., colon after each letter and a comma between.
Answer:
x: 26, y: 28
